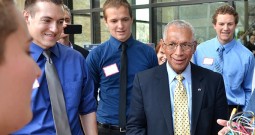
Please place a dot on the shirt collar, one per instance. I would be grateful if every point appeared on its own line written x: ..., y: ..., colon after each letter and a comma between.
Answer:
x: 36, y: 50
x: 227, y: 47
x: 117, y: 44
x: 172, y: 74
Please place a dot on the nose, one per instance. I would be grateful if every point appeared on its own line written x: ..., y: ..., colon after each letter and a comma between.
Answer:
x: 54, y: 27
x: 225, y: 27
x: 120, y: 24
x: 65, y: 24
x: 178, y: 50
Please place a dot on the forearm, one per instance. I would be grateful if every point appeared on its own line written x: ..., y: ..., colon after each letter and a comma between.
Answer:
x: 89, y: 123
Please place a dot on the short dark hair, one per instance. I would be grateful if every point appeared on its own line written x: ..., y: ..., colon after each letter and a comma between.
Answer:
x: 8, y: 25
x: 117, y: 4
x: 29, y: 4
x: 225, y: 9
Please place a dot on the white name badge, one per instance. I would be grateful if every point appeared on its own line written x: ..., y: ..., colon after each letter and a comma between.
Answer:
x: 35, y: 84
x: 110, y: 70
x: 208, y: 61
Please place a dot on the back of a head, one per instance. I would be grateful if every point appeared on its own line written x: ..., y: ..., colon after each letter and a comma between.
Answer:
x: 8, y: 25
x: 179, y: 24
x: 29, y: 4
x: 116, y: 4
x: 225, y: 9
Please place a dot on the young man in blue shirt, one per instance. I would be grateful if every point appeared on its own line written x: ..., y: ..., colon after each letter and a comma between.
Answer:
x: 45, y: 24
x: 238, y: 62
x: 104, y: 63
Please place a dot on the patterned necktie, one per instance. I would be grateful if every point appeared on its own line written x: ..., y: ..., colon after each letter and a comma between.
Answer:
x: 219, y: 62
x: 56, y: 97
x: 181, y: 113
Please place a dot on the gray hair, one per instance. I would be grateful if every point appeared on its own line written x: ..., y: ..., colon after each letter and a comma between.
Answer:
x: 180, y: 24
x: 67, y: 9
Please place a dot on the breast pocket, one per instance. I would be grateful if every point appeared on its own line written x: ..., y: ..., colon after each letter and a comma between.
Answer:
x: 72, y: 93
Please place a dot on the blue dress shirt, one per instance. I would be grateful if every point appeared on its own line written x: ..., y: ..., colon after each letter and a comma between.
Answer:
x: 251, y: 104
x: 77, y: 86
x: 237, y: 68
x: 187, y: 84
x: 104, y: 63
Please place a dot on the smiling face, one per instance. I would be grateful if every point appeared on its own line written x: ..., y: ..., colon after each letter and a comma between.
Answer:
x: 18, y: 72
x: 225, y: 27
x: 178, y: 58
x: 46, y: 23
x: 119, y: 22
x: 161, y: 56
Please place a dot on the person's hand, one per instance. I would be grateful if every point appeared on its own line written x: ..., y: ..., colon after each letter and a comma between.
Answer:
x: 225, y: 129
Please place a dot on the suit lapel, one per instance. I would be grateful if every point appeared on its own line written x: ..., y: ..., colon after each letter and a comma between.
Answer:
x: 164, y: 95
x: 198, y: 88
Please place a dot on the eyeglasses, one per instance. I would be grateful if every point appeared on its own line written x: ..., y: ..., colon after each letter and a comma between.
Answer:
x: 185, y: 46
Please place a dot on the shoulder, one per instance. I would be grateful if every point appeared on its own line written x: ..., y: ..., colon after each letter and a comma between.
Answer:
x: 148, y: 74
x: 206, y: 44
x: 98, y: 53
x: 241, y: 47
x: 68, y: 53
x: 142, y: 45
x: 101, y: 47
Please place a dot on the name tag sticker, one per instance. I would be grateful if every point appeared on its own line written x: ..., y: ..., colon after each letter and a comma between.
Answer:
x: 110, y: 70
x: 208, y: 61
x: 35, y: 84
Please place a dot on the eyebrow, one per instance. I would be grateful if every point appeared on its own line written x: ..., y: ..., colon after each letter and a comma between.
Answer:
x: 47, y: 17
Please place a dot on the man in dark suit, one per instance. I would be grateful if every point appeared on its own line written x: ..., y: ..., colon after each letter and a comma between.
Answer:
x: 152, y: 110
x: 64, y: 38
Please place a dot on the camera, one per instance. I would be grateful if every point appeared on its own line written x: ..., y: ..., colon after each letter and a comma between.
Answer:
x: 73, y: 29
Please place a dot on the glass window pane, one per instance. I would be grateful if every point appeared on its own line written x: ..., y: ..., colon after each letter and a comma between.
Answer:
x: 142, y: 32
x: 140, y: 2
x: 131, y: 2
x: 170, y: 0
x: 200, y: 20
x: 20, y: 4
x: 81, y: 4
x: 102, y: 3
x: 105, y: 34
x: 142, y: 25
x: 85, y: 37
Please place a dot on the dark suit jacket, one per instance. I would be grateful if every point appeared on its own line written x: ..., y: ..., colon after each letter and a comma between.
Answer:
x: 150, y: 110
x: 83, y: 51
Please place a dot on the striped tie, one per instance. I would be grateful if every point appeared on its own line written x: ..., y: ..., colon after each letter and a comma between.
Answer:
x: 219, y: 61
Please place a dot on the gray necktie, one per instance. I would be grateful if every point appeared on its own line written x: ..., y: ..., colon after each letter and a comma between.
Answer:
x: 56, y: 97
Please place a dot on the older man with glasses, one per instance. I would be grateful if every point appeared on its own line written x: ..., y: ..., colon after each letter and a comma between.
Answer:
x: 177, y: 97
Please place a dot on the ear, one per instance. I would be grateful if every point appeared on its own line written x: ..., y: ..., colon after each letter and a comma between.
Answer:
x: 27, y: 16
x: 195, y: 46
